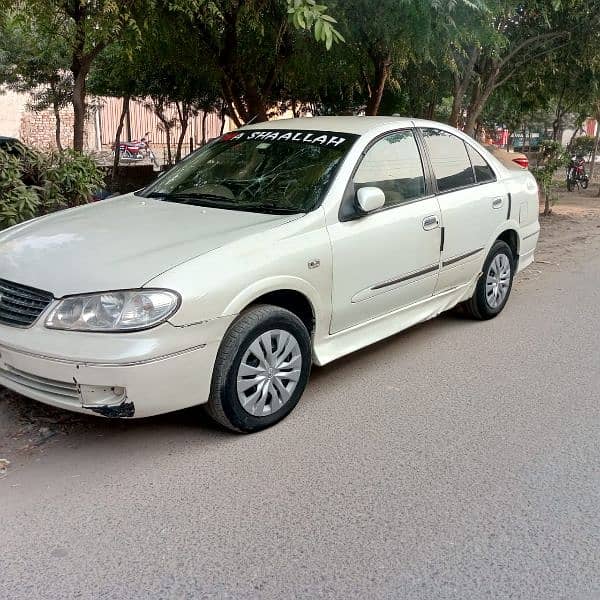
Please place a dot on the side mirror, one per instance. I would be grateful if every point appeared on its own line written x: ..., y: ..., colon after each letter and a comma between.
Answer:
x: 370, y: 199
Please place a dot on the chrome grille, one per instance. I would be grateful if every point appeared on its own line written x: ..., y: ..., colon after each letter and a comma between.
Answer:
x: 61, y: 390
x: 21, y: 305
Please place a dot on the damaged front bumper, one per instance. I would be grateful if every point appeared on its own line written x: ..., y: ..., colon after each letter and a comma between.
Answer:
x: 143, y: 382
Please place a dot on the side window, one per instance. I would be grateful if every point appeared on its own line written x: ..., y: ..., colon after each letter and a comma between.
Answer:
x: 483, y: 171
x: 449, y: 159
x: 393, y: 164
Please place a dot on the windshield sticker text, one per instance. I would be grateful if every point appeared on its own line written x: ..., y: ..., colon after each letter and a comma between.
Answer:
x: 319, y: 138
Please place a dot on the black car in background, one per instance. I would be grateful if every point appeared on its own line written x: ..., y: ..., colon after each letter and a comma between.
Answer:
x: 11, y: 145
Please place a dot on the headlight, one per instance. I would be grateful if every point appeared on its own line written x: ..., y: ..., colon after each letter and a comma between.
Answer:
x: 114, y: 311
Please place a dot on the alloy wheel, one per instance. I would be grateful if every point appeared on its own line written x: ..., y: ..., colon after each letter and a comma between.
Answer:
x: 497, y: 281
x: 269, y: 372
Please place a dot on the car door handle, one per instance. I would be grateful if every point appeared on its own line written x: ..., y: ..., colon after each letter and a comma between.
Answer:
x: 497, y: 202
x: 430, y: 222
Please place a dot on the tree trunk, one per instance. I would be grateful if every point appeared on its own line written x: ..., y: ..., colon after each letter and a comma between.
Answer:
x: 204, y: 117
x: 382, y: 71
x: 56, y: 109
x: 456, y: 104
x: 547, y: 207
x: 430, y: 113
x: 575, y: 132
x: 237, y: 110
x: 184, y: 128
x: 461, y: 85
x: 559, y: 114
x: 595, y: 150
x: 255, y: 102
x: 78, y: 100
x: 183, y: 112
x: 124, y: 113
x: 169, y: 153
x: 222, y: 122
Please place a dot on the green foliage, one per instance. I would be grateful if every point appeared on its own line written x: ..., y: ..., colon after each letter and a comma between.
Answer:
x: 36, y: 183
x: 18, y: 202
x: 552, y: 157
x: 307, y: 14
x: 583, y: 145
x: 34, y: 59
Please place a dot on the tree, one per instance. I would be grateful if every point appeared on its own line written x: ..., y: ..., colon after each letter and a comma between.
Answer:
x: 514, y: 37
x: 87, y: 27
x: 390, y: 34
x: 32, y: 60
x: 552, y: 158
x: 175, y: 85
x: 249, y: 41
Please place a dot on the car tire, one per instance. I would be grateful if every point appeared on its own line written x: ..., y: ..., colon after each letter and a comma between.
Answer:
x: 495, y: 284
x: 250, y: 390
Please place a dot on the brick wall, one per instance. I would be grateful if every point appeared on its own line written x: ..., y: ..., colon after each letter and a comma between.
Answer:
x: 38, y: 129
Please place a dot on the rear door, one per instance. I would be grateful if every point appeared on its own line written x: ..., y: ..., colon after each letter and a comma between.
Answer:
x: 473, y: 205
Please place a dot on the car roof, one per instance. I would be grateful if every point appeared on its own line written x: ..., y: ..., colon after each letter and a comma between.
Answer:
x: 357, y: 125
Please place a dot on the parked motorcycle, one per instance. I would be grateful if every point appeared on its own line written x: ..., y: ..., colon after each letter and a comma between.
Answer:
x: 576, y: 175
x: 137, y: 150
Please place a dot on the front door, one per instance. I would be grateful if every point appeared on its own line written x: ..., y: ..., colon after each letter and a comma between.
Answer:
x: 388, y: 259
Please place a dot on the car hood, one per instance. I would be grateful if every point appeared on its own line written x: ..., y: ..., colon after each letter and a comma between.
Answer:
x: 119, y: 243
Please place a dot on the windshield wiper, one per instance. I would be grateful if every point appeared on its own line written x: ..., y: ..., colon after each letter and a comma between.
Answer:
x: 271, y: 209
x: 202, y: 199
x: 189, y: 197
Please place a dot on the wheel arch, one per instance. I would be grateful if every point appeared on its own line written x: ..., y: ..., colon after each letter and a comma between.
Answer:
x: 511, y: 237
x: 291, y: 293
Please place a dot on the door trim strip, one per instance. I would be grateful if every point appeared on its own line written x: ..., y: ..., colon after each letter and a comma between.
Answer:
x: 424, y: 271
x: 456, y: 259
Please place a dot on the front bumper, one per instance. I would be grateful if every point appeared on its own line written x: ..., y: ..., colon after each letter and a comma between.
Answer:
x: 122, y: 379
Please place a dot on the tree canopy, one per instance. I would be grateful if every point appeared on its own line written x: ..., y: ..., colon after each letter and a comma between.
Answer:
x: 470, y: 62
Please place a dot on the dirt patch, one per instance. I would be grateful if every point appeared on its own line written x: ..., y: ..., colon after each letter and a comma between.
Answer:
x: 27, y: 426
x: 569, y: 234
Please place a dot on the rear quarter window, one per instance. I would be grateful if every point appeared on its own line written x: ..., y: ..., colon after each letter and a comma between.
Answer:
x: 449, y: 159
x: 483, y: 171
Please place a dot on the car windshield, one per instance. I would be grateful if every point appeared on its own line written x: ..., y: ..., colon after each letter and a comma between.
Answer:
x: 273, y: 171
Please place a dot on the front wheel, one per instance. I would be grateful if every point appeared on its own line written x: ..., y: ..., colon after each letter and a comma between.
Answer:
x: 495, y: 283
x: 261, y: 369
x: 585, y: 182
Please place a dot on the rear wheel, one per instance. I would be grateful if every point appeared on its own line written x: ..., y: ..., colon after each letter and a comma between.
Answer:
x: 261, y: 369
x: 494, y: 285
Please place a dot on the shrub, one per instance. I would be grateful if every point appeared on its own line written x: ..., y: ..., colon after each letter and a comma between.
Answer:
x: 583, y: 145
x: 551, y: 157
x: 18, y: 202
x: 36, y: 183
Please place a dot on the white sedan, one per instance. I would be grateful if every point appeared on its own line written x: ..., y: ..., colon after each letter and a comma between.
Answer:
x: 276, y: 247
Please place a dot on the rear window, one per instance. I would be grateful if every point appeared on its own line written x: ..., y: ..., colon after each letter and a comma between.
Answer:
x: 449, y: 159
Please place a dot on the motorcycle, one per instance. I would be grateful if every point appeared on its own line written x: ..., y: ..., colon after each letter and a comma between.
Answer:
x: 576, y: 175
x: 136, y: 150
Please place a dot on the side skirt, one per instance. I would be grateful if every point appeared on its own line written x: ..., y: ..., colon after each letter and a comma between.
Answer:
x: 344, y: 342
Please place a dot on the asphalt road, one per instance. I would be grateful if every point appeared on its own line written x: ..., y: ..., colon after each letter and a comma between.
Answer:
x: 455, y: 460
